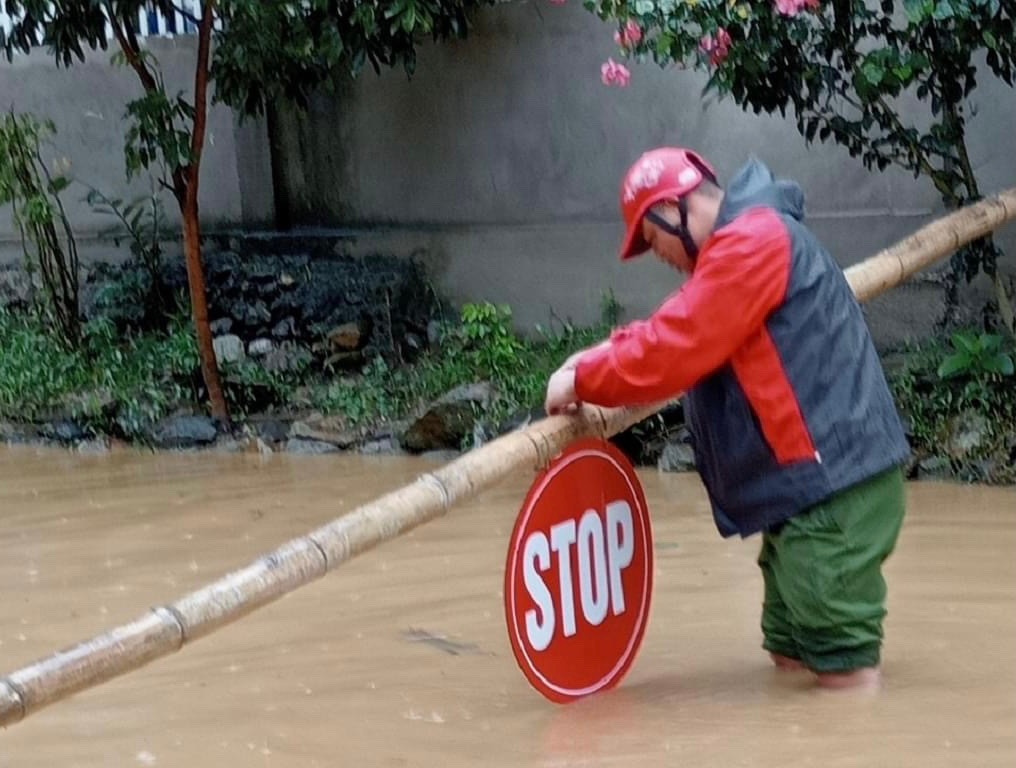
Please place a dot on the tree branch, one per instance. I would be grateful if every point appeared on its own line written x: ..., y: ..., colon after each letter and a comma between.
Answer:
x: 201, y: 87
x: 129, y: 45
x: 186, y: 14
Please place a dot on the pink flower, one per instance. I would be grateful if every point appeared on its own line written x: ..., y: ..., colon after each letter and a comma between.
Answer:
x: 612, y: 73
x: 630, y: 36
x: 792, y: 7
x: 717, y: 47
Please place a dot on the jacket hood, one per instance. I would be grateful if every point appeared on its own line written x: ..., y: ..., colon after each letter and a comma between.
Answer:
x: 754, y: 185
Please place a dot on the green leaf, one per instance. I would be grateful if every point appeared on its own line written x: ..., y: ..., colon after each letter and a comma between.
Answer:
x: 903, y: 72
x: 943, y: 10
x: 965, y: 342
x: 59, y: 184
x: 873, y: 72
x: 916, y: 10
x: 990, y: 342
x: 644, y: 7
x: 1004, y: 364
x: 409, y: 19
x: 954, y: 364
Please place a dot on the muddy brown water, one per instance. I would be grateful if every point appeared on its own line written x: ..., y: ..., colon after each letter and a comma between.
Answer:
x: 401, y: 658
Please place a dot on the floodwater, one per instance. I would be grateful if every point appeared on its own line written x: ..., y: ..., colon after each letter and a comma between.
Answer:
x: 401, y: 657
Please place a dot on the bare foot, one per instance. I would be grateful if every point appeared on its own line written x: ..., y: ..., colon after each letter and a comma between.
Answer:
x: 786, y: 662
x: 865, y: 678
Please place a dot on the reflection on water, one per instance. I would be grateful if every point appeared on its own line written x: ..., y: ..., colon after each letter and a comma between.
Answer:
x: 355, y: 669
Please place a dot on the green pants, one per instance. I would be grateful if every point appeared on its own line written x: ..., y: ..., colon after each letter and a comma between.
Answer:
x: 824, y: 591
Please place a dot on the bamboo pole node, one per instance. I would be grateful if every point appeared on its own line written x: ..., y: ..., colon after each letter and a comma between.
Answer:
x: 321, y: 551
x: 432, y: 479
x: 542, y: 451
x: 171, y: 615
x: 602, y: 417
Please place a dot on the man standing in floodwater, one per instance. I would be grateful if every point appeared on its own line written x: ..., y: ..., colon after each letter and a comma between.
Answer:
x: 795, y: 432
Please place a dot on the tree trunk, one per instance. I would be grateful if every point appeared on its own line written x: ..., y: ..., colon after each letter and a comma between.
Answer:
x: 185, y: 190
x: 191, y: 227
x: 199, y: 307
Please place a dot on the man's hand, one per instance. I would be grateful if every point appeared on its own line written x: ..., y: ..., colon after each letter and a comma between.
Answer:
x: 561, y: 397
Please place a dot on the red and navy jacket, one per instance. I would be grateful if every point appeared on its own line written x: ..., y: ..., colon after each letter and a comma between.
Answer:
x: 786, y: 398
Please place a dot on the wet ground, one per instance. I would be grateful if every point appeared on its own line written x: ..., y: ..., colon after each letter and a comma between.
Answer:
x: 401, y: 658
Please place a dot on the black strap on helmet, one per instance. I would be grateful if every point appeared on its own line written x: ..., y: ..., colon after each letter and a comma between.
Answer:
x: 681, y: 232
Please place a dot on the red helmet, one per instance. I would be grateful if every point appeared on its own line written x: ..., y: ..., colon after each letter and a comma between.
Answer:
x: 660, y: 174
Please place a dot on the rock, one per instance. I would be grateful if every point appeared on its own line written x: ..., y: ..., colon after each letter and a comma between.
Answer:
x: 228, y: 349
x: 252, y: 314
x: 64, y: 430
x: 232, y: 445
x: 99, y: 445
x: 967, y: 432
x: 272, y: 431
x: 260, y: 347
x: 17, y: 433
x: 221, y: 327
x: 385, y: 445
x: 434, y: 333
x: 984, y: 470
x: 934, y: 467
x: 325, y: 431
x: 286, y: 280
x: 284, y: 329
x: 15, y: 289
x: 412, y: 343
x: 520, y: 420
x: 676, y: 457
x: 184, y: 432
x: 287, y: 357
x: 300, y: 445
x: 346, y: 337
x: 480, y: 434
x: 449, y: 420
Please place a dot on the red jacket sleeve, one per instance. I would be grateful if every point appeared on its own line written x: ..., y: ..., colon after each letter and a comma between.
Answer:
x: 740, y: 277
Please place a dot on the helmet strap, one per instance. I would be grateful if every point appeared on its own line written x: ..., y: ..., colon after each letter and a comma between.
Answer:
x: 680, y: 232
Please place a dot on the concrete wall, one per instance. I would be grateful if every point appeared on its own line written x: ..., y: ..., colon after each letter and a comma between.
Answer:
x: 500, y: 162
x: 87, y: 103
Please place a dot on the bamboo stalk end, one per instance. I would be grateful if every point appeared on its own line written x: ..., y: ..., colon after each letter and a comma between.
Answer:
x: 12, y: 704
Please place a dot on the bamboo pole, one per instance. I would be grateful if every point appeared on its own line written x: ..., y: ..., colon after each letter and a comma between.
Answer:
x: 165, y: 629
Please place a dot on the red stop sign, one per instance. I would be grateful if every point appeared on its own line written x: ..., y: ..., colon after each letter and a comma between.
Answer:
x: 579, y: 573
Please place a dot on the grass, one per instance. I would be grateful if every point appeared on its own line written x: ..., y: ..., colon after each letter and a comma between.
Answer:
x: 934, y: 393
x: 123, y: 385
